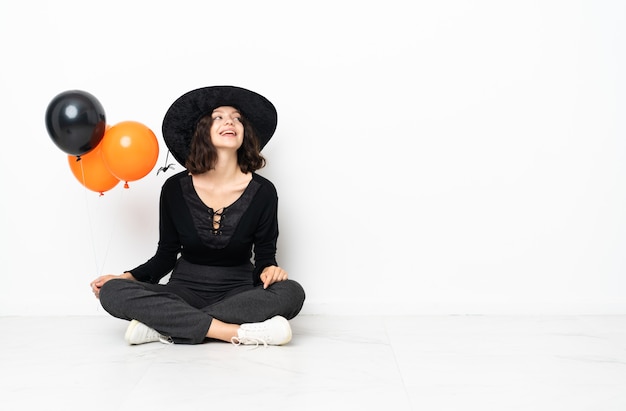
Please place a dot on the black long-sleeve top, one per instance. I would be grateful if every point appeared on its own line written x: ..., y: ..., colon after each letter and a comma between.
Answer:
x: 249, y: 225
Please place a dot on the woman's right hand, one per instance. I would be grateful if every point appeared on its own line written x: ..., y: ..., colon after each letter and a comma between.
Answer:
x: 99, y: 282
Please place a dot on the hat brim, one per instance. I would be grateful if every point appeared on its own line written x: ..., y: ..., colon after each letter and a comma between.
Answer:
x: 183, y: 115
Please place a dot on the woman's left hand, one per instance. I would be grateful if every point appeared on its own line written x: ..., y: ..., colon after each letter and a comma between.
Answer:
x: 272, y: 274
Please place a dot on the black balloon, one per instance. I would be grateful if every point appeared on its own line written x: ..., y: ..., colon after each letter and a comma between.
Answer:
x: 75, y: 121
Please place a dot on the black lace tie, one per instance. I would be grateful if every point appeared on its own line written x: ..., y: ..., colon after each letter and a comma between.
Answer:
x: 217, y: 217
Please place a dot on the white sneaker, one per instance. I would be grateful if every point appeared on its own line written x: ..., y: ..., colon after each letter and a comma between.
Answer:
x: 139, y: 333
x: 275, y: 331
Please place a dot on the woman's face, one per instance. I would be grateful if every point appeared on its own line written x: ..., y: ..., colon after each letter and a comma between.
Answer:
x: 226, y: 128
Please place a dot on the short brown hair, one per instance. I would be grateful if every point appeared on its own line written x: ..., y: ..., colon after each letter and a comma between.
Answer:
x: 203, y: 155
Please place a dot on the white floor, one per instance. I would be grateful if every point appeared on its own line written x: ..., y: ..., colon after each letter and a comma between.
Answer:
x: 426, y: 363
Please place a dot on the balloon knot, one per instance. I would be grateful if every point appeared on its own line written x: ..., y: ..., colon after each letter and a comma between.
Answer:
x: 78, y: 158
x: 101, y: 194
x: 126, y: 184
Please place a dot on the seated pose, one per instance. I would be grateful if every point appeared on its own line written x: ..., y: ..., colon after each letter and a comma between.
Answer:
x: 218, y: 230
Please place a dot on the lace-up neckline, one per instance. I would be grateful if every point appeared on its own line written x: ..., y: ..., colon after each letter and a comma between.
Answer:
x: 217, y: 217
x: 215, y: 228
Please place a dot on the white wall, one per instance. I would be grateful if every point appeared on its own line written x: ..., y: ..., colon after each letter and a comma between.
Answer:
x: 450, y: 156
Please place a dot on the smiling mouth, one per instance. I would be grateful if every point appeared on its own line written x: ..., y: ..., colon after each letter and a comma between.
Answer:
x: 227, y: 133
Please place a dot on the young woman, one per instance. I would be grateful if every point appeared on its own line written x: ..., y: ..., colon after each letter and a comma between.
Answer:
x: 218, y: 230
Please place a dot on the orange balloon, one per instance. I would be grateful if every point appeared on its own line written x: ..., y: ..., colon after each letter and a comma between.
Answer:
x: 130, y: 150
x: 90, y: 170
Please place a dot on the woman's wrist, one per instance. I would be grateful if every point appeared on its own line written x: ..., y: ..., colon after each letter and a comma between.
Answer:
x: 127, y: 276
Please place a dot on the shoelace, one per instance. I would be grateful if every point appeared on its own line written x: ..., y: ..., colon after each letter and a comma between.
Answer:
x: 254, y: 341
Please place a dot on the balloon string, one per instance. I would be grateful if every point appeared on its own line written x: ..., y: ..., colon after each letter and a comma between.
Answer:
x: 99, y: 268
x: 89, y: 220
x: 111, y: 235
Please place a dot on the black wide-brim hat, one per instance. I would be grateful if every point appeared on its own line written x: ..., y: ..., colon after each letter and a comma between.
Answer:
x: 183, y: 115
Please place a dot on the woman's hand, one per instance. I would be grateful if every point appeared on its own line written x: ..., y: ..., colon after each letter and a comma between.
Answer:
x: 99, y: 282
x: 272, y: 274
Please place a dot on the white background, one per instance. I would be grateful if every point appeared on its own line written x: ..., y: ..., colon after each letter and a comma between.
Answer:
x: 463, y: 157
